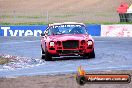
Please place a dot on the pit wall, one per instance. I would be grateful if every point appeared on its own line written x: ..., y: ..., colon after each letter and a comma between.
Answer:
x: 94, y: 30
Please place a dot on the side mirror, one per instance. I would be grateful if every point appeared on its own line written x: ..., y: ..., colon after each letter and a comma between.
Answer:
x: 42, y: 34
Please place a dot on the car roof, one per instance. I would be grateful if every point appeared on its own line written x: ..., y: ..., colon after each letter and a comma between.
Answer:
x: 66, y: 23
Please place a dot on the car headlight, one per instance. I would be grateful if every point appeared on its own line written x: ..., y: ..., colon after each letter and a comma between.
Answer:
x: 90, y: 43
x: 51, y: 43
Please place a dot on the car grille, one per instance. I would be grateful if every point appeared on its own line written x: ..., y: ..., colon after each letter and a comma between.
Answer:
x: 70, y: 44
x: 67, y: 51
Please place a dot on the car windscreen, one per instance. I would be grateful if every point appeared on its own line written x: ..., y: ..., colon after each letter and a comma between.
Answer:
x: 67, y: 29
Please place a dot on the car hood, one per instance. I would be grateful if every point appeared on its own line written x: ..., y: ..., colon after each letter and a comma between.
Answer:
x: 65, y: 37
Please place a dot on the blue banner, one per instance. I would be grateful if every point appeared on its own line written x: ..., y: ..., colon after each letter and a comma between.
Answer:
x: 21, y: 30
x: 93, y: 30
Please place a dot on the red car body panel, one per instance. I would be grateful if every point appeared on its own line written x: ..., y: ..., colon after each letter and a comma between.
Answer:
x: 73, y: 39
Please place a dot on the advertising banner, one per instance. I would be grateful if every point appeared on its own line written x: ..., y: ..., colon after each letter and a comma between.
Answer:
x: 21, y: 30
x: 116, y: 30
x: 93, y: 30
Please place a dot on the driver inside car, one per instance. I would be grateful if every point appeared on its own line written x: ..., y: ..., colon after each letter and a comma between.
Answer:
x: 75, y: 30
x: 55, y: 31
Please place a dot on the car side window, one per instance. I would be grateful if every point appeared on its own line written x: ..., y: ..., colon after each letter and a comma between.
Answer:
x: 49, y: 31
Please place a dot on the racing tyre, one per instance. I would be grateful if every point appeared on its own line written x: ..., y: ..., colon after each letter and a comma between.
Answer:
x: 42, y: 53
x: 89, y: 55
x: 92, y: 54
x: 48, y: 56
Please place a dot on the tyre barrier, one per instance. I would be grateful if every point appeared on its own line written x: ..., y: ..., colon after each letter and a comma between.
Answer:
x: 125, y: 17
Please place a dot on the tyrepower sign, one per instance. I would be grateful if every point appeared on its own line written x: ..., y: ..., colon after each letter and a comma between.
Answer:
x: 21, y: 30
x: 116, y: 30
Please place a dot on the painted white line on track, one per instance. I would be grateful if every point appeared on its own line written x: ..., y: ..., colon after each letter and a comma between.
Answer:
x: 20, y: 42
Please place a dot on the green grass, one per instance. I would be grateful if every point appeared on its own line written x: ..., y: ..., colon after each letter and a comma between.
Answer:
x: 108, y: 23
x: 104, y: 15
x: 64, y: 16
x: 30, y: 17
x: 25, y: 23
x: 6, y: 16
x: 36, y: 17
x: 46, y: 23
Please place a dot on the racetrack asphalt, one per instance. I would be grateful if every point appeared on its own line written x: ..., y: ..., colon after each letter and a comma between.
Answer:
x: 111, y: 54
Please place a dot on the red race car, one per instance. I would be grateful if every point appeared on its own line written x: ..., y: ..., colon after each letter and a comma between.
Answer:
x: 66, y: 39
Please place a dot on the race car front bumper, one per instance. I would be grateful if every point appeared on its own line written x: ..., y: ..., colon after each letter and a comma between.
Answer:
x: 71, y: 48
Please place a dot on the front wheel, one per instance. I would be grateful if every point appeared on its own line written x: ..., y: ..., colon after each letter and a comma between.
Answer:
x: 92, y: 54
x: 48, y: 56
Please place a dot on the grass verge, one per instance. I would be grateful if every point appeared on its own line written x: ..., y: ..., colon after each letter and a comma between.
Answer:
x: 46, y: 23
x: 24, y: 23
x: 31, y: 17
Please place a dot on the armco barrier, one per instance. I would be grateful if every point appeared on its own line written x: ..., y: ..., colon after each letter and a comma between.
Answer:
x: 93, y: 30
x: 116, y: 30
